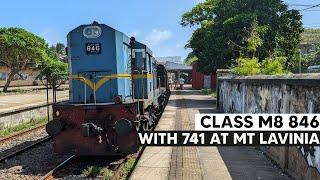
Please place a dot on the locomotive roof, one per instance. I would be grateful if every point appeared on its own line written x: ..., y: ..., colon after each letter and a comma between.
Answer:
x: 139, y: 45
x: 94, y: 23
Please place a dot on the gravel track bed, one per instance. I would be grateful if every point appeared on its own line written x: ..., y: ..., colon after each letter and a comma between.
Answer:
x: 21, y: 141
x: 75, y: 168
x: 31, y: 164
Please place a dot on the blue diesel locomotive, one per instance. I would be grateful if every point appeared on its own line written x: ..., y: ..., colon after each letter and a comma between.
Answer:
x: 116, y: 89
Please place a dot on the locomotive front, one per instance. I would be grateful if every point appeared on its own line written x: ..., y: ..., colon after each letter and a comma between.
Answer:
x: 100, y: 117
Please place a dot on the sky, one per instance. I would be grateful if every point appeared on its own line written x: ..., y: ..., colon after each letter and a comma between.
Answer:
x: 156, y: 23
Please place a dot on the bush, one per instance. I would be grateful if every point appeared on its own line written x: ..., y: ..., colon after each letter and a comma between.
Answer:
x: 96, y: 171
x: 249, y: 67
x: 246, y: 67
x: 273, y: 66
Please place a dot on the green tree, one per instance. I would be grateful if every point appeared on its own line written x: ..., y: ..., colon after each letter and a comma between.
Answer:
x: 19, y: 48
x: 272, y: 66
x: 251, y: 66
x: 57, y: 52
x: 246, y: 67
x: 54, y: 69
x: 60, y: 48
x: 53, y: 72
x: 311, y: 36
x: 229, y: 29
x: 311, y: 59
x: 190, y: 59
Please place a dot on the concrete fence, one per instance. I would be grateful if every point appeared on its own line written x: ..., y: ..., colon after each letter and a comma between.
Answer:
x: 277, y: 94
x: 25, y: 114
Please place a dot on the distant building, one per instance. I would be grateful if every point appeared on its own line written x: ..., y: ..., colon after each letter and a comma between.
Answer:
x: 26, y: 77
x: 174, y: 59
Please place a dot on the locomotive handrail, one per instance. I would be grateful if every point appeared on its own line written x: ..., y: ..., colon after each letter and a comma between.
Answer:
x: 85, y: 85
x: 78, y: 77
x: 133, y: 90
x: 110, y: 76
x: 142, y: 72
x: 142, y: 86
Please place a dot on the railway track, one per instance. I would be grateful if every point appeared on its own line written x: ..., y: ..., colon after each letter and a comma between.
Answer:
x: 8, y: 138
x: 24, y: 148
x: 114, y: 164
x: 50, y: 175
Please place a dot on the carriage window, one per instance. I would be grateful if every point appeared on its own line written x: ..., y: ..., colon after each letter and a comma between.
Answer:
x: 158, y: 82
x: 145, y: 64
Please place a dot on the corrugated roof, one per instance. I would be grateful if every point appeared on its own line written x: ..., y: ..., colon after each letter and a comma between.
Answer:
x: 176, y: 66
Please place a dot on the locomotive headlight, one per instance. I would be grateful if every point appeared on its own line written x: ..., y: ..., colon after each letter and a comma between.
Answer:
x: 92, y: 31
x: 58, y: 113
x: 118, y: 99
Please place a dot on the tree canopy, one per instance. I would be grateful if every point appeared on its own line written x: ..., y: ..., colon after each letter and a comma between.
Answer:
x: 229, y: 29
x: 311, y: 36
x: 55, y: 68
x: 57, y: 51
x: 19, y: 48
x: 190, y: 59
x: 51, y: 71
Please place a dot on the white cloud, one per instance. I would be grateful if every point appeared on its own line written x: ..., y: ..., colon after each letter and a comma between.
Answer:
x: 157, y: 36
x: 180, y: 45
x: 52, y: 36
x: 135, y: 33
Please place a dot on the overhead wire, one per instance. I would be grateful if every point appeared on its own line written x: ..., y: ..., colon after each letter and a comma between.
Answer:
x: 305, y: 5
x: 311, y: 7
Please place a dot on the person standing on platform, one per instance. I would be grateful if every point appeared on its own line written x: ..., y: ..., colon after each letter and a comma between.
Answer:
x: 170, y: 83
x: 181, y: 82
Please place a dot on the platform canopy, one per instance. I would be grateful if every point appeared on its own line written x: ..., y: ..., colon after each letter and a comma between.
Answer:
x: 172, y: 66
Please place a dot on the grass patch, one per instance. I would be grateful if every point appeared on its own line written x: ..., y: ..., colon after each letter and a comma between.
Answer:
x: 127, y: 168
x: 209, y: 92
x: 95, y: 171
x: 24, y: 126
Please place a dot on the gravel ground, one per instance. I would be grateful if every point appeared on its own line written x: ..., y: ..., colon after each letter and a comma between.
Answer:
x: 36, y: 162
x: 75, y: 168
x: 21, y: 141
x: 31, y: 164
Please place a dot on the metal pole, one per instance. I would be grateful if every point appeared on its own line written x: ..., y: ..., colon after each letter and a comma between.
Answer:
x: 53, y: 90
x: 94, y: 88
x: 48, y: 111
x: 300, y: 62
x: 85, y: 91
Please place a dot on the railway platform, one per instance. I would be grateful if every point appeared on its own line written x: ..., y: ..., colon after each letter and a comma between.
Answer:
x: 214, y: 163
x: 15, y: 102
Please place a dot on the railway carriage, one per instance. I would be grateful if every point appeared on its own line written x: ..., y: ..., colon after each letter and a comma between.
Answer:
x: 116, y: 89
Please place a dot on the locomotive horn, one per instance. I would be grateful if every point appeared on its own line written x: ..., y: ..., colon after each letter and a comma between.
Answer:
x: 132, y: 40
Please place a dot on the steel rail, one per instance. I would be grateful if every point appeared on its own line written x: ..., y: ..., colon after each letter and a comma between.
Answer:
x: 50, y: 175
x: 18, y: 134
x: 2, y: 159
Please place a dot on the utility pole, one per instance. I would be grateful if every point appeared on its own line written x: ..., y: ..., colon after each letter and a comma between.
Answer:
x: 300, y: 57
